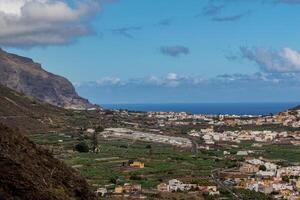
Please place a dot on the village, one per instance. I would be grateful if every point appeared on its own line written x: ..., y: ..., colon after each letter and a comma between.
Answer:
x: 255, y: 174
x: 264, y: 176
x: 134, y: 190
x: 211, y: 137
x: 288, y: 118
x: 259, y: 175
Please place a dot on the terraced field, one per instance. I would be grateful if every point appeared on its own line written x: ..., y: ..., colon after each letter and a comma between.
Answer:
x: 110, y: 165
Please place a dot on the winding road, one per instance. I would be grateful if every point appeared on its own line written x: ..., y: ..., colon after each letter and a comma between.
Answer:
x: 220, y: 184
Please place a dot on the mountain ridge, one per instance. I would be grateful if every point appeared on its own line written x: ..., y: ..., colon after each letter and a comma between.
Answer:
x: 23, y: 75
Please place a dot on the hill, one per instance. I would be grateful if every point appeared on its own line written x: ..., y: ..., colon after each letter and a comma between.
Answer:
x: 20, y: 112
x: 25, y: 76
x: 29, y: 172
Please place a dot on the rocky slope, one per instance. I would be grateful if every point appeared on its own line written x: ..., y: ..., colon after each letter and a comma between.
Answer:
x: 19, y: 112
x: 28, y: 172
x: 22, y: 113
x: 25, y: 76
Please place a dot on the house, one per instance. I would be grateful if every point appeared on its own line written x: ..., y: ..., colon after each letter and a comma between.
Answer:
x: 242, y: 153
x: 163, y: 187
x: 137, y: 164
x: 211, y: 190
x: 132, y: 188
x: 255, y: 161
x: 176, y: 185
x: 90, y: 130
x: 101, y: 191
x: 298, y: 184
x: 118, y: 190
x: 265, y: 189
x: 248, y: 168
x: 266, y: 173
x: 270, y: 166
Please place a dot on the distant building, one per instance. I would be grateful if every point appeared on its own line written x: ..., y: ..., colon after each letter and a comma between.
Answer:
x: 132, y: 188
x: 137, y: 164
x: 119, y: 190
x: 248, y: 168
x: 163, y: 187
x: 90, y: 130
x: 242, y: 153
x: 102, y: 191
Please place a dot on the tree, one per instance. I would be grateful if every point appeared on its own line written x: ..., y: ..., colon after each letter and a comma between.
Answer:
x: 150, y: 149
x: 286, y: 179
x: 114, y: 179
x: 82, y: 147
x: 98, y: 130
x: 262, y: 168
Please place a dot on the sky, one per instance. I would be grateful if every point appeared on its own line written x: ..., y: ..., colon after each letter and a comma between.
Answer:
x: 162, y: 51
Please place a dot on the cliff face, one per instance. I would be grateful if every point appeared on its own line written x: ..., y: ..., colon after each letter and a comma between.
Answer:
x: 29, y: 172
x: 25, y: 76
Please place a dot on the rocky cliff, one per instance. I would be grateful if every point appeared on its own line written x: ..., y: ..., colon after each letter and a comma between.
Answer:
x: 25, y: 76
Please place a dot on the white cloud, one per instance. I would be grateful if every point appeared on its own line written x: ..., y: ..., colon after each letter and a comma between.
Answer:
x: 26, y: 23
x: 108, y: 81
x: 172, y: 77
x: 283, y: 61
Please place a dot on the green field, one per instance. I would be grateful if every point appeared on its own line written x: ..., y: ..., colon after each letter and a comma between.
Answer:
x: 162, y: 162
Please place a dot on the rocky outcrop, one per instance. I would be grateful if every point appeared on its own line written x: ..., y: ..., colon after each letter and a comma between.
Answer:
x: 25, y: 76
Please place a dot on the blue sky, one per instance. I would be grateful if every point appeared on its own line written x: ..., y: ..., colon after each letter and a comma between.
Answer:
x: 175, y: 45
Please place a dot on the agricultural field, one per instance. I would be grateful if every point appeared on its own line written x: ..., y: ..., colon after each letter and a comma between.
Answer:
x: 110, y: 164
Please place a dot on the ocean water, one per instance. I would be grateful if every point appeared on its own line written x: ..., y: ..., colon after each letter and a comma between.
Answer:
x: 209, y: 108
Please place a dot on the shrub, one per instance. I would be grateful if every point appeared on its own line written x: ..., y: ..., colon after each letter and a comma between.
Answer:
x: 82, y: 147
x: 262, y: 168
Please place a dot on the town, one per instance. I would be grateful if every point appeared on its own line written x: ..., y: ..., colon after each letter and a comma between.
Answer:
x: 144, y: 155
x: 241, y: 141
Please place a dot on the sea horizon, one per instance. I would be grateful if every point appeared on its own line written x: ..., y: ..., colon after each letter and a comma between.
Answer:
x: 240, y: 108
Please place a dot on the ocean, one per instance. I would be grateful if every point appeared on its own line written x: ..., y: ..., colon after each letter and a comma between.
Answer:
x: 209, y: 108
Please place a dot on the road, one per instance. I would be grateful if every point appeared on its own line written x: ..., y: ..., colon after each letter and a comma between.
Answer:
x: 194, y: 146
x: 220, y: 184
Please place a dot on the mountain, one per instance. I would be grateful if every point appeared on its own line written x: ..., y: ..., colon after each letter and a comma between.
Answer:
x: 29, y: 172
x: 25, y: 76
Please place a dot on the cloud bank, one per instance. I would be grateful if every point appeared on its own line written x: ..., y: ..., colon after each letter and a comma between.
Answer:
x: 176, y: 88
x: 28, y: 23
x: 285, y: 60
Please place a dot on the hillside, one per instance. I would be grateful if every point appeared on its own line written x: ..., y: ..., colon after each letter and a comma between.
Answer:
x: 30, y: 173
x: 25, y: 76
x: 20, y: 112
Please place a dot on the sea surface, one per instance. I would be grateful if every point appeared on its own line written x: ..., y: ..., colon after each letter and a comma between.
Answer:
x: 209, y: 108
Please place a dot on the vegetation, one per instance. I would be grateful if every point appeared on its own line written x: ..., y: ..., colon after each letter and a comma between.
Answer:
x: 250, y: 195
x: 164, y: 162
x: 262, y: 168
x: 82, y: 147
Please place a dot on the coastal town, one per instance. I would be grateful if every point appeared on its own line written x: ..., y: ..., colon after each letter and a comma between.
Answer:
x: 289, y: 118
x: 240, y: 141
x: 157, y: 155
